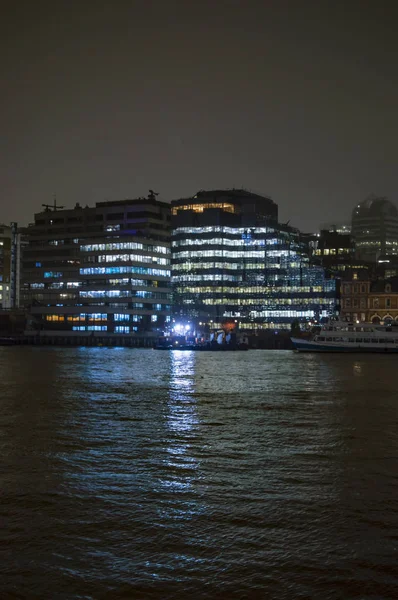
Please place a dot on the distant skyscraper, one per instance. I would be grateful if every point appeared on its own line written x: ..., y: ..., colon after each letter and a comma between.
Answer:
x: 375, y: 228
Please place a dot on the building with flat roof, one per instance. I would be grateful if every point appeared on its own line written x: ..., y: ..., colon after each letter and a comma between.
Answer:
x: 99, y: 269
x: 251, y: 208
x: 233, y: 263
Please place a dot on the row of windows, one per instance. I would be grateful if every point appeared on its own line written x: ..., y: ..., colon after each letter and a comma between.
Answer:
x: 356, y: 288
x: 207, y: 242
x: 109, y: 258
x: 246, y: 289
x: 207, y: 277
x: 124, y: 246
x: 248, y: 266
x: 291, y: 314
x: 363, y: 302
x: 358, y: 340
x: 199, y: 208
x: 93, y: 317
x: 260, y: 301
x: 218, y: 253
x: 238, y: 231
x: 124, y: 294
x: 331, y: 251
x: 120, y: 270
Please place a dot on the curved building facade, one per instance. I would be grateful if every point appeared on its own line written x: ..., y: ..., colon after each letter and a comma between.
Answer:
x: 233, y: 262
x: 375, y: 228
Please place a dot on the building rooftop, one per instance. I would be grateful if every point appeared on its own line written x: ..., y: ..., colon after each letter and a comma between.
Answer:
x: 381, y: 284
x: 238, y: 194
x: 375, y: 207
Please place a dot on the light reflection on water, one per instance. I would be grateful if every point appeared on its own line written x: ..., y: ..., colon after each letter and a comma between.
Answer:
x: 143, y: 474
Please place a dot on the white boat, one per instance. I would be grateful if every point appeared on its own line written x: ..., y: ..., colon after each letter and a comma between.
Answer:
x: 341, y: 336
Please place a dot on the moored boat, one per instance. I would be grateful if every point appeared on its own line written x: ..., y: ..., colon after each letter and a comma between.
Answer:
x: 341, y: 336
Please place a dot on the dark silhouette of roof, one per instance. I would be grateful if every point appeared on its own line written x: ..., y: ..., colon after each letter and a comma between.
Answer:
x: 380, y: 285
x: 375, y: 207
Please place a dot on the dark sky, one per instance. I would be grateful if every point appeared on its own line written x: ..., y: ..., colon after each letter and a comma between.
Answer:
x: 104, y: 100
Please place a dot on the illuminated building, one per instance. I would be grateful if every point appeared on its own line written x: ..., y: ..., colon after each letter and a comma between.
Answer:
x: 370, y: 301
x: 10, y: 248
x: 232, y: 261
x: 100, y: 269
x: 342, y: 228
x: 375, y: 228
x: 333, y: 251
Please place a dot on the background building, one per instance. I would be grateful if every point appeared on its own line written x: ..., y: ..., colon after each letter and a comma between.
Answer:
x: 375, y: 228
x: 370, y: 301
x: 10, y: 255
x: 343, y: 228
x: 332, y: 250
x: 232, y: 262
x: 101, y: 269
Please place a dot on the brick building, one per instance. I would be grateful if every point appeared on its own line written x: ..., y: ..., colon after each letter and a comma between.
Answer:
x: 364, y: 300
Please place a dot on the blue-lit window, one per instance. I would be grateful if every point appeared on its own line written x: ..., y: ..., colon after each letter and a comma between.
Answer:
x: 38, y: 264
x: 119, y: 317
x: 118, y: 270
x: 154, y: 318
x: 52, y: 274
x: 122, y: 329
x: 97, y: 328
x: 78, y: 328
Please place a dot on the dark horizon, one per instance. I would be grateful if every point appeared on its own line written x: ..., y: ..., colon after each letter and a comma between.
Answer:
x: 293, y: 102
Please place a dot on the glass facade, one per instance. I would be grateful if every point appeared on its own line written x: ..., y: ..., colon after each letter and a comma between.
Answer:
x: 258, y: 276
x: 81, y: 274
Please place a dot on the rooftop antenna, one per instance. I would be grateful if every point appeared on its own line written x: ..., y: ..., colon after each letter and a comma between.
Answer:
x: 54, y: 207
x: 152, y: 195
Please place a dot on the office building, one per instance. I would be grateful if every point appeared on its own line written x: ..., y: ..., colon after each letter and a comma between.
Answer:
x: 10, y: 256
x: 333, y: 251
x: 375, y: 228
x: 99, y: 269
x: 233, y: 263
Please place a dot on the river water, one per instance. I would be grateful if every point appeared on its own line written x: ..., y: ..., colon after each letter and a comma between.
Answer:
x: 129, y: 473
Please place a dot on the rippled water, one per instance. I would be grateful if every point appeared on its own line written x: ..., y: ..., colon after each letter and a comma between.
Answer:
x: 130, y: 473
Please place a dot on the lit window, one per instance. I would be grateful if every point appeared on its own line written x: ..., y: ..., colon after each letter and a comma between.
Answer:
x: 121, y: 317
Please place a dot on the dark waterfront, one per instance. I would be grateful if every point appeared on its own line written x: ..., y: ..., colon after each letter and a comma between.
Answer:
x: 143, y: 474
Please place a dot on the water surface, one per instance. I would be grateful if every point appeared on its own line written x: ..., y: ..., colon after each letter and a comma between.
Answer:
x: 129, y: 473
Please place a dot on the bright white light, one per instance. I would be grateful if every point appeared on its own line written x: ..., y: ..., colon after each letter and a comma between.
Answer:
x: 187, y: 328
x: 177, y: 328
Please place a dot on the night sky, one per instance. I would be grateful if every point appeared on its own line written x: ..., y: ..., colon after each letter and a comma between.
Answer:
x: 104, y: 100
